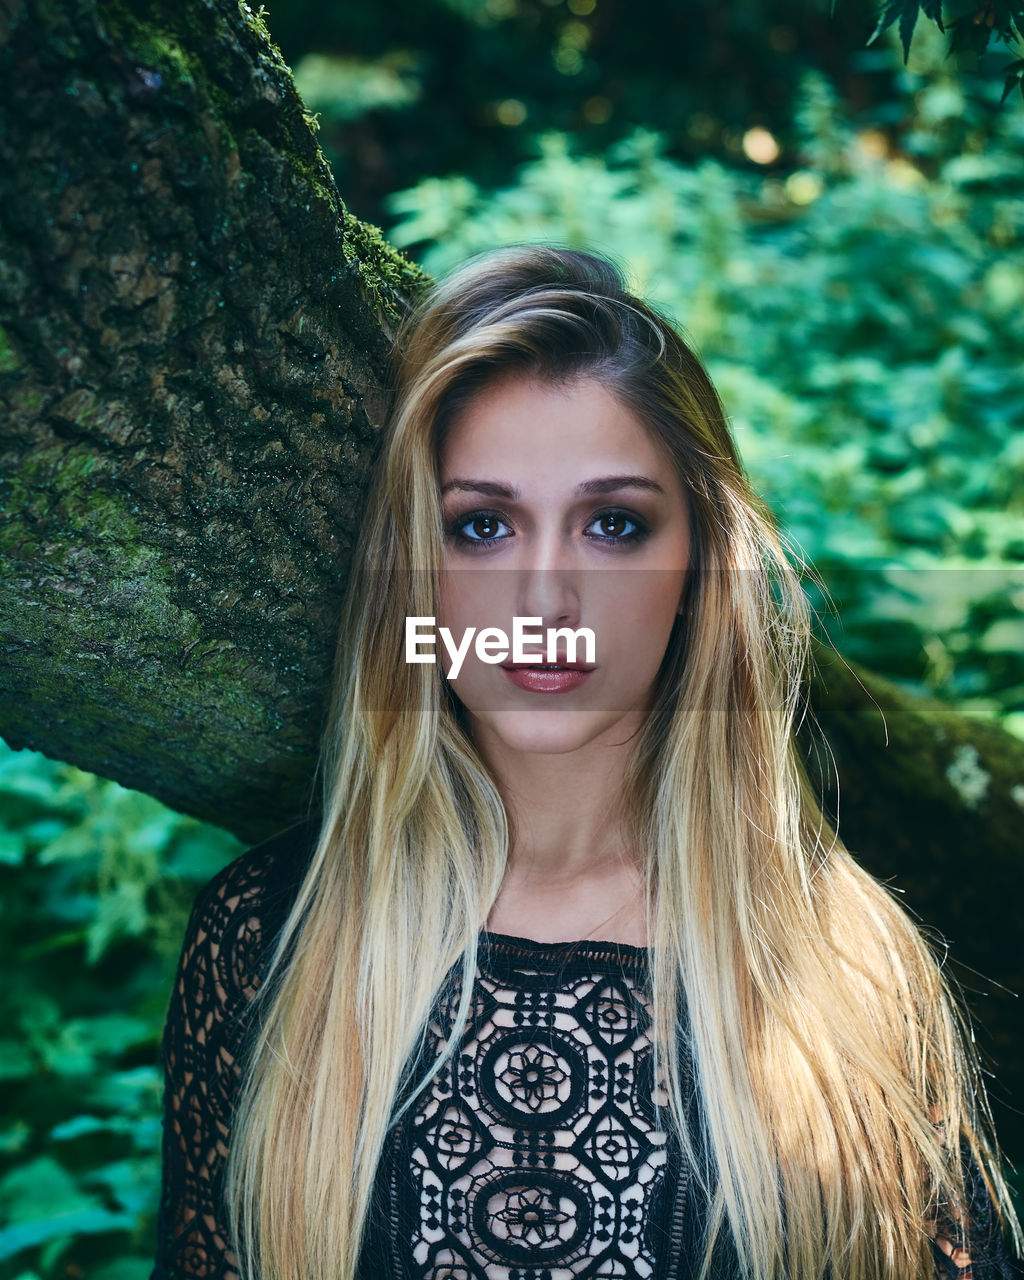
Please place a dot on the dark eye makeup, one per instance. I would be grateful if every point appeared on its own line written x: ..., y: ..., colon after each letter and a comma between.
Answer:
x: 466, y: 530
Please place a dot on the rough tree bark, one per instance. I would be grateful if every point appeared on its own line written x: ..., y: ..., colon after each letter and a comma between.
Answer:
x: 194, y: 336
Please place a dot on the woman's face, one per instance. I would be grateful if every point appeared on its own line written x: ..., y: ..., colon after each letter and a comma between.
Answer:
x: 559, y: 505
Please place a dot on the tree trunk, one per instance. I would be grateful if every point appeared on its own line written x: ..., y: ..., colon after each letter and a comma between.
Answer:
x: 192, y: 361
x: 193, y: 349
x: 933, y: 803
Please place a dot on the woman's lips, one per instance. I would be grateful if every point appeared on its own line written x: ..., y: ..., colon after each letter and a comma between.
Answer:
x: 548, y: 680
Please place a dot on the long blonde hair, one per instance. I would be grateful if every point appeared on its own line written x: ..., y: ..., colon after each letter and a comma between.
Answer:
x: 833, y: 1079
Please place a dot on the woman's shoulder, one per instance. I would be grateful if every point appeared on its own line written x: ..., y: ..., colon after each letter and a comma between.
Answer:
x: 268, y: 874
x: 237, y: 915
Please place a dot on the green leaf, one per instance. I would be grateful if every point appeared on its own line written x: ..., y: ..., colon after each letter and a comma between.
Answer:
x: 906, y: 11
x: 16, y: 779
x: 80, y: 1126
x: 61, y: 1226
x: 77, y: 841
x: 109, y: 1034
x: 968, y: 34
x: 135, y: 1092
x: 12, y: 848
x: 121, y: 913
x: 39, y: 1189
x: 1013, y: 74
x: 908, y: 20
x: 345, y: 89
x: 134, y: 1184
x: 16, y: 1063
x: 1004, y: 636
x: 42, y: 832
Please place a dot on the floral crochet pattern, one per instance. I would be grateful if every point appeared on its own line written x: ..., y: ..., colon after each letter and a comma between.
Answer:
x: 534, y: 1153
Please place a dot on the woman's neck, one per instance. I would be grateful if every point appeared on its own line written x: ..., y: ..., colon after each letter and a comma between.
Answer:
x: 565, y: 810
x: 572, y: 872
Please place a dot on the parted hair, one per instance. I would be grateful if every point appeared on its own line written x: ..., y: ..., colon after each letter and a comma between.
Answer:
x: 834, y: 1084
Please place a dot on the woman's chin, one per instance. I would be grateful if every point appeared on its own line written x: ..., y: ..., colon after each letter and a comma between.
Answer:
x: 553, y: 731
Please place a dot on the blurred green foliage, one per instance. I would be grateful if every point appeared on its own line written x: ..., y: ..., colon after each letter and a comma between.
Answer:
x: 473, y: 82
x: 97, y: 882
x: 863, y: 323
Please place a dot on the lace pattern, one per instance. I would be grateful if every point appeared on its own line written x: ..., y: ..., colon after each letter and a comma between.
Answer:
x: 218, y: 974
x: 534, y: 1154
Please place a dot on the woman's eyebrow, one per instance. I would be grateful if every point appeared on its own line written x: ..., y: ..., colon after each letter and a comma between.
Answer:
x: 586, y: 489
x: 490, y: 487
x: 610, y: 484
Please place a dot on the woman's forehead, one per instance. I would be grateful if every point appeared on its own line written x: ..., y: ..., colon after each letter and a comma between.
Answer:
x: 526, y: 422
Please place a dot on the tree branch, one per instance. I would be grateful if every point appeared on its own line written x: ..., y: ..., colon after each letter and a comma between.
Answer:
x: 194, y: 337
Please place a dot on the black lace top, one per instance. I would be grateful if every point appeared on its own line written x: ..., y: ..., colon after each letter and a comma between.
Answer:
x: 533, y: 1155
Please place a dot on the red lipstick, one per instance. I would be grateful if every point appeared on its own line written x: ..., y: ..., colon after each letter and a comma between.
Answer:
x: 540, y: 677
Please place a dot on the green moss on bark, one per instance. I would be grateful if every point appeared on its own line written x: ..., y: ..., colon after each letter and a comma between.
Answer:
x: 8, y: 360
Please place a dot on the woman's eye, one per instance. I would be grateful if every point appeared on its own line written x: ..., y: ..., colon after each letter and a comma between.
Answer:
x: 485, y: 528
x: 479, y: 528
x: 618, y: 526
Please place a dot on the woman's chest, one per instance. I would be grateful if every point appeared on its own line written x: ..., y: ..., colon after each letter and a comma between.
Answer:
x: 535, y: 1153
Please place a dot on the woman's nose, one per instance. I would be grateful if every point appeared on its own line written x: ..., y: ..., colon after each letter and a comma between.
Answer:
x: 550, y: 593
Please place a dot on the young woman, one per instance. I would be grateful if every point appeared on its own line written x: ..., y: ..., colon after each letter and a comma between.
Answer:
x: 570, y: 977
